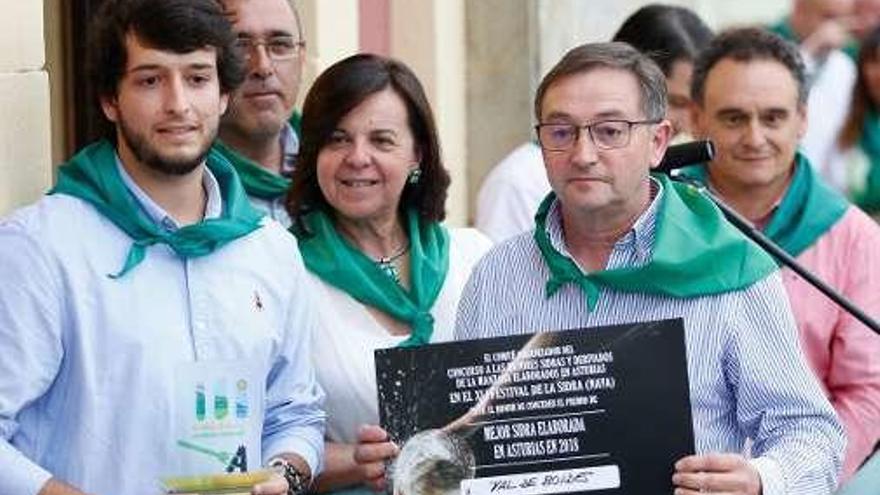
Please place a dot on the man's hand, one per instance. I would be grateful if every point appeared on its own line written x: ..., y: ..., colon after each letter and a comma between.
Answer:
x: 276, y: 485
x: 55, y: 487
x: 716, y: 473
x: 371, y: 452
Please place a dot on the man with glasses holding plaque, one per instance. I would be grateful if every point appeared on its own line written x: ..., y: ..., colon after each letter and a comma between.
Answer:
x: 613, y: 244
x: 258, y: 133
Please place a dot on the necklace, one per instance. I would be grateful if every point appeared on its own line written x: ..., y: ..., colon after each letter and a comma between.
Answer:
x: 389, y: 264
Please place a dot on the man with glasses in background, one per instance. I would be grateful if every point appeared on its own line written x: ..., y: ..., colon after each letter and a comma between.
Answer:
x: 258, y: 132
x: 613, y: 245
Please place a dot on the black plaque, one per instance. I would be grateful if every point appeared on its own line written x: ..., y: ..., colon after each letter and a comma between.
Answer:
x: 598, y: 410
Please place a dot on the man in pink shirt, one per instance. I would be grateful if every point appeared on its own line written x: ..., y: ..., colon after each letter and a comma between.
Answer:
x: 750, y: 92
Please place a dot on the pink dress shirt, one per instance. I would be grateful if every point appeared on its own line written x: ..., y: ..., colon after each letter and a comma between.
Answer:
x: 844, y: 354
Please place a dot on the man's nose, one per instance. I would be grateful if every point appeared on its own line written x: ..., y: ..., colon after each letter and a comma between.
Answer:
x: 754, y: 133
x: 584, y: 150
x: 260, y: 63
x: 176, y: 100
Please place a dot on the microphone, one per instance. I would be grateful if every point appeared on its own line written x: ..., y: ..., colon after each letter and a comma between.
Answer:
x: 682, y: 155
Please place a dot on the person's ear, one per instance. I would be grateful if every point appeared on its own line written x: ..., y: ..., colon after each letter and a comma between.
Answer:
x: 660, y: 141
x: 224, y: 102
x: 110, y: 107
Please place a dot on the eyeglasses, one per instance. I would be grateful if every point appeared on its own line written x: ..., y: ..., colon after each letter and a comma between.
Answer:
x: 277, y: 47
x: 606, y: 134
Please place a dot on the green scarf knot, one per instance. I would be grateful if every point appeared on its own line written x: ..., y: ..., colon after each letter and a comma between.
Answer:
x: 423, y: 328
x: 92, y: 175
x: 808, y: 208
x: 337, y: 262
x: 696, y: 253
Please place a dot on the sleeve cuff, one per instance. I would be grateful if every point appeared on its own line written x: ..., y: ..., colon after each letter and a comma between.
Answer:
x: 20, y: 474
x: 772, y: 481
x: 306, y: 445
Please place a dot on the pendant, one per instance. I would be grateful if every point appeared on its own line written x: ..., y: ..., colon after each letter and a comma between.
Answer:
x: 390, y: 269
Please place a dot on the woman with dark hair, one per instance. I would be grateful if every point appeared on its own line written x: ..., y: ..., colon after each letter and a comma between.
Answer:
x: 366, y: 201
x: 854, y: 168
x: 672, y: 37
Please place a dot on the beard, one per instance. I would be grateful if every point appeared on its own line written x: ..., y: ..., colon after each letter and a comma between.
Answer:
x: 152, y: 157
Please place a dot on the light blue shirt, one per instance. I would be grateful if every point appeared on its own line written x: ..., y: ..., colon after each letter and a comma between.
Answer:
x: 87, y: 374
x: 213, y: 200
x: 747, y: 376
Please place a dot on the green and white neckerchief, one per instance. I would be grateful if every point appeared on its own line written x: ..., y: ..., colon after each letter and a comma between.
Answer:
x: 92, y: 175
x: 808, y: 208
x: 257, y: 181
x: 696, y: 252
x: 337, y: 262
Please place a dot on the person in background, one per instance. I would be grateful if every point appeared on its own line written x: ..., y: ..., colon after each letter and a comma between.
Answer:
x: 672, y: 36
x: 258, y: 133
x: 854, y: 167
x: 751, y: 95
x: 821, y: 29
x: 866, y: 15
x: 367, y: 199
x: 511, y: 192
x: 144, y: 265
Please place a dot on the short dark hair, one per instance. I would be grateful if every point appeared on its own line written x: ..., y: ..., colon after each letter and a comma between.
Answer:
x: 666, y: 33
x: 746, y: 45
x: 337, y: 91
x: 179, y: 26
x: 613, y: 55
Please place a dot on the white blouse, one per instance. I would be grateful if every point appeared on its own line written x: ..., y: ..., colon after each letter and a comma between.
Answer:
x: 347, y: 334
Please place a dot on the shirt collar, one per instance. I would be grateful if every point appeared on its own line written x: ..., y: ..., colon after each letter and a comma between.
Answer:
x: 289, y: 149
x: 638, y: 241
x: 213, y: 208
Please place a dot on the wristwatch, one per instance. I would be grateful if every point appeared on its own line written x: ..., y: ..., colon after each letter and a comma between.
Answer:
x: 297, y: 482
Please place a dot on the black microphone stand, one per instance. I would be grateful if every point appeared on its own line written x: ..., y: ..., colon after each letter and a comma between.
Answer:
x: 704, y: 153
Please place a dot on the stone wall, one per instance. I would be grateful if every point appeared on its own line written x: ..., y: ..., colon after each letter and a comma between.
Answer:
x: 25, y: 142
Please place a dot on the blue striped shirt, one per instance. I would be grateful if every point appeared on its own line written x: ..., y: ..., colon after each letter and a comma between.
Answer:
x: 748, y: 378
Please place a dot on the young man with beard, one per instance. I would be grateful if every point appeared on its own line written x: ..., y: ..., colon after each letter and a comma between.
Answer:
x: 144, y: 265
x: 257, y: 133
x: 751, y: 101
